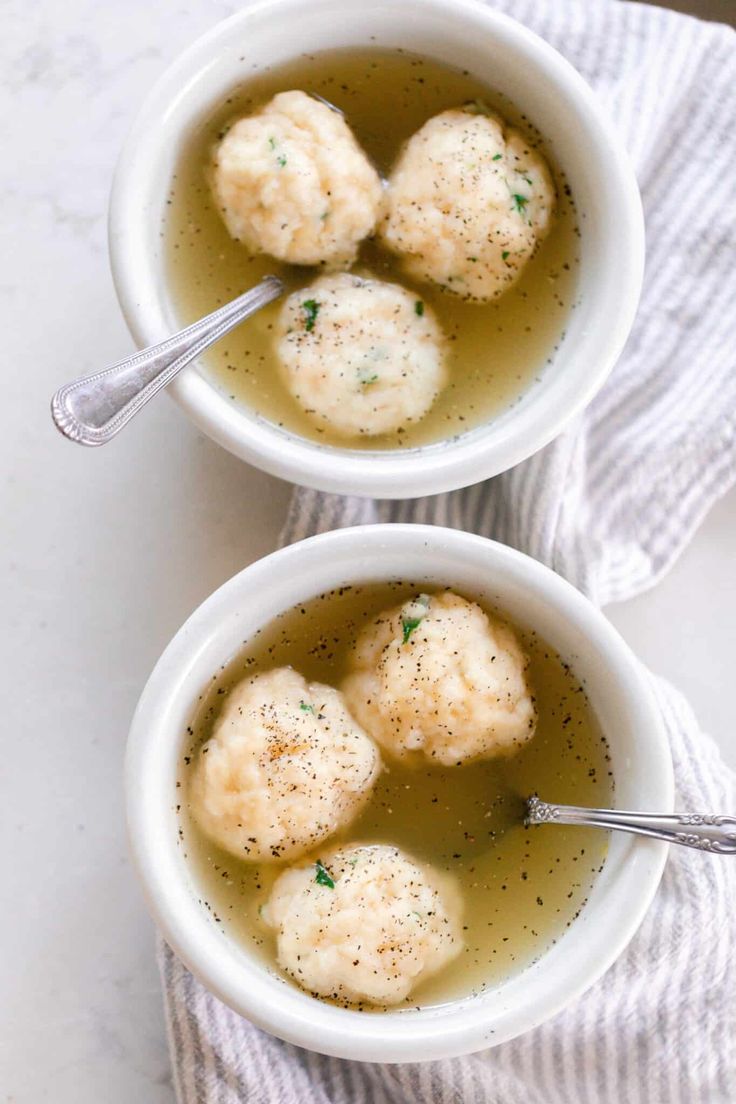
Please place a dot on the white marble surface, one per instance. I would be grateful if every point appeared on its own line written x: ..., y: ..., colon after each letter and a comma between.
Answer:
x: 106, y: 552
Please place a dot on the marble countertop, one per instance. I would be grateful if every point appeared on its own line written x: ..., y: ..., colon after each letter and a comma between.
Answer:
x: 106, y: 552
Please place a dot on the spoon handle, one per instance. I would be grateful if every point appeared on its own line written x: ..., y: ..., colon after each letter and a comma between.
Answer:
x: 92, y: 410
x: 703, y: 831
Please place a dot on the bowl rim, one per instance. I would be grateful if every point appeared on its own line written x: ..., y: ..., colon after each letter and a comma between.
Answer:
x: 442, y: 466
x: 459, y: 1026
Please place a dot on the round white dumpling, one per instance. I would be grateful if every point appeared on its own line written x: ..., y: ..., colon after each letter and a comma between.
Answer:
x: 439, y: 676
x: 468, y: 202
x: 292, y: 181
x: 286, y: 767
x: 366, y: 923
x: 360, y: 356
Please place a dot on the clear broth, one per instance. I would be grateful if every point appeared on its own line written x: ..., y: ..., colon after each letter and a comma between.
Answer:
x: 521, y: 887
x: 496, y: 350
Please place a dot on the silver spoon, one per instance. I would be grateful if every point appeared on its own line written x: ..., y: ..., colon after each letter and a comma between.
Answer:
x: 704, y: 831
x: 92, y: 410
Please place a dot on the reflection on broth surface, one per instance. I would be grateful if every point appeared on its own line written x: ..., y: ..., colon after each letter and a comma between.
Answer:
x: 495, y: 350
x: 520, y: 887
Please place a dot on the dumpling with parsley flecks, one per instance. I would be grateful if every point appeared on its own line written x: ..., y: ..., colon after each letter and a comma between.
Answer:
x: 364, y: 923
x: 438, y: 676
x: 360, y: 356
x: 468, y: 202
x: 286, y: 767
x: 292, y: 181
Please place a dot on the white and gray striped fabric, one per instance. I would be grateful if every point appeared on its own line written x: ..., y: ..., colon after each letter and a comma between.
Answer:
x: 609, y: 505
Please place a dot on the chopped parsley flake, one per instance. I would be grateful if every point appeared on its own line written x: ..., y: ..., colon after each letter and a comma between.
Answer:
x: 306, y: 707
x: 311, y: 310
x: 366, y: 380
x: 281, y: 161
x: 322, y: 877
x: 419, y: 308
x: 272, y: 143
x: 520, y: 202
x: 410, y: 623
x: 505, y: 254
x: 496, y: 157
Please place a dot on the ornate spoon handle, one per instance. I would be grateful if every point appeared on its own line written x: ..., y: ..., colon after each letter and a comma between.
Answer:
x: 92, y: 410
x: 703, y: 831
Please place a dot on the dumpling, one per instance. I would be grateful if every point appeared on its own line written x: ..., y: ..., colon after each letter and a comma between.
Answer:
x: 292, y: 181
x: 468, y: 202
x: 360, y: 356
x: 365, y: 923
x: 286, y: 767
x: 437, y: 675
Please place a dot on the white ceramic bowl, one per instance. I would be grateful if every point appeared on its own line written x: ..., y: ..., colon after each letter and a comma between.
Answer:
x: 533, y: 596
x: 462, y: 33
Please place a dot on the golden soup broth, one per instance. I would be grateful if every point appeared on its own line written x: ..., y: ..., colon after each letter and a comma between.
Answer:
x: 496, y: 350
x: 521, y: 887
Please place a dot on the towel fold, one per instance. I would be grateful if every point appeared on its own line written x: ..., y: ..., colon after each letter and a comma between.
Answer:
x: 609, y: 505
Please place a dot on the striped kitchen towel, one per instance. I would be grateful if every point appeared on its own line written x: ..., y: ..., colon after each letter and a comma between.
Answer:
x: 609, y: 505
